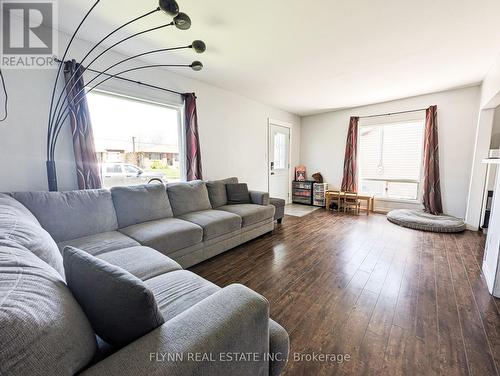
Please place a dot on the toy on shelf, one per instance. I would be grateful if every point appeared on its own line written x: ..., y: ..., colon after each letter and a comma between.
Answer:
x: 300, y: 173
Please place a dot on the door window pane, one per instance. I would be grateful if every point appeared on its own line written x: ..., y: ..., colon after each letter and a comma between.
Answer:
x: 280, y: 150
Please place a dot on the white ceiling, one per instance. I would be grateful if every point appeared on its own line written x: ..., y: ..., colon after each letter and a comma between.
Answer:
x: 313, y: 56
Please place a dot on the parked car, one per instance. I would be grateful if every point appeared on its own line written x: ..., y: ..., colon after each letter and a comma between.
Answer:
x: 120, y: 174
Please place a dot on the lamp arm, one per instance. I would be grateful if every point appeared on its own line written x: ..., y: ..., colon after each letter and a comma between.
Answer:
x: 49, y: 129
x: 65, y: 106
x: 93, y: 49
x: 60, y: 124
x: 50, y: 135
x: 113, y: 46
x: 118, y: 29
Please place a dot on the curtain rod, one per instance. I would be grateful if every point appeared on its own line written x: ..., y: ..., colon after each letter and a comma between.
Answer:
x: 128, y: 80
x: 392, y: 113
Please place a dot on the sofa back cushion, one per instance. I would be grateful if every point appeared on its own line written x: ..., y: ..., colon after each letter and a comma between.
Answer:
x: 19, y: 226
x: 217, y: 191
x: 43, y: 330
x: 188, y: 197
x: 141, y: 203
x: 71, y: 215
x: 120, y: 306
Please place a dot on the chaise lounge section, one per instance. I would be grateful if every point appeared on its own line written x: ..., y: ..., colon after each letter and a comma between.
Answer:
x: 151, y: 232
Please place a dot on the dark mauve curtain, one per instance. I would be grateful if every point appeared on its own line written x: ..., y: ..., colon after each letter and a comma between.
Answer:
x: 193, y: 152
x: 349, y: 180
x: 432, y: 184
x: 87, y: 167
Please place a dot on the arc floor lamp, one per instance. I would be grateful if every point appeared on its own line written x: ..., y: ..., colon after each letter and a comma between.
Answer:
x: 59, y: 107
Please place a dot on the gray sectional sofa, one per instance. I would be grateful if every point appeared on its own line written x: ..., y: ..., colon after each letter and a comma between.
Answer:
x: 151, y: 232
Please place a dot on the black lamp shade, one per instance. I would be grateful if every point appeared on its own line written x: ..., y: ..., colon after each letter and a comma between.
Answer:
x: 182, y: 21
x: 170, y: 7
x: 196, y: 66
x: 199, y: 46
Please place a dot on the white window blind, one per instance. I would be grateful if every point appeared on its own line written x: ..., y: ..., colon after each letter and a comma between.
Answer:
x: 390, y: 159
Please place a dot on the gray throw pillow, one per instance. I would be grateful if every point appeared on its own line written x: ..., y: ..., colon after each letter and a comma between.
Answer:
x: 119, y: 306
x: 237, y: 194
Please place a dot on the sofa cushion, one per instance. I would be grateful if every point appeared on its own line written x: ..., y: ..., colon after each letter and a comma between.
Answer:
x: 19, y: 226
x: 217, y: 191
x: 143, y: 262
x: 165, y: 235
x: 140, y: 203
x: 179, y: 290
x: 238, y: 194
x: 71, y: 215
x: 120, y: 306
x: 250, y: 213
x: 231, y: 180
x: 100, y: 243
x: 188, y: 197
x: 214, y: 222
x: 43, y: 330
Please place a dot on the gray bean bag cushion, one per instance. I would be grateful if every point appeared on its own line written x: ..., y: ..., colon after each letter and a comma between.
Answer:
x: 420, y: 220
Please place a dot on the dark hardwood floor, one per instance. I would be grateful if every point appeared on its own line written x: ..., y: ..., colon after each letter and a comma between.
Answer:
x: 398, y: 301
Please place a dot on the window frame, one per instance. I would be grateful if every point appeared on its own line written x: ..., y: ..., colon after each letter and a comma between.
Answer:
x: 179, y: 108
x: 393, y: 119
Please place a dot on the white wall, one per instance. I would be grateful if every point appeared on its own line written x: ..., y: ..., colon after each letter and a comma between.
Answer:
x: 490, y: 88
x: 23, y: 136
x: 233, y: 129
x: 323, y: 140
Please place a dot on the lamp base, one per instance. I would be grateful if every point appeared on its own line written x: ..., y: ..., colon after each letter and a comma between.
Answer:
x: 51, y: 175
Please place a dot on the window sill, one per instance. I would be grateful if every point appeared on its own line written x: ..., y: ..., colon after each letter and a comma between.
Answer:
x: 398, y: 200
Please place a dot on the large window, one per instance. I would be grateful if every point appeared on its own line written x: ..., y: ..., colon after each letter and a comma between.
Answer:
x: 390, y: 158
x: 137, y: 142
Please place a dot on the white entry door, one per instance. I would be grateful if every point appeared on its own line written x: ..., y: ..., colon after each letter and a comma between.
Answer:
x: 279, y: 161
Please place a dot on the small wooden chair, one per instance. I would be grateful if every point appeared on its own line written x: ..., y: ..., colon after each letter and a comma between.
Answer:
x: 337, y: 194
x: 351, y: 201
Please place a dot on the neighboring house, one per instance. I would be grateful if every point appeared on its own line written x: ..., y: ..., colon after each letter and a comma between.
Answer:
x: 142, y: 154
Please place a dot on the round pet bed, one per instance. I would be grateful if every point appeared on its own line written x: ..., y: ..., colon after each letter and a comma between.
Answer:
x: 420, y: 220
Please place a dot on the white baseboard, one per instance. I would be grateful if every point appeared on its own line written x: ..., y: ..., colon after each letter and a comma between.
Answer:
x: 471, y: 227
x: 489, y: 282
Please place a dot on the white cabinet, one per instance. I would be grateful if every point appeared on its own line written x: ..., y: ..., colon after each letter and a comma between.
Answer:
x: 319, y: 191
